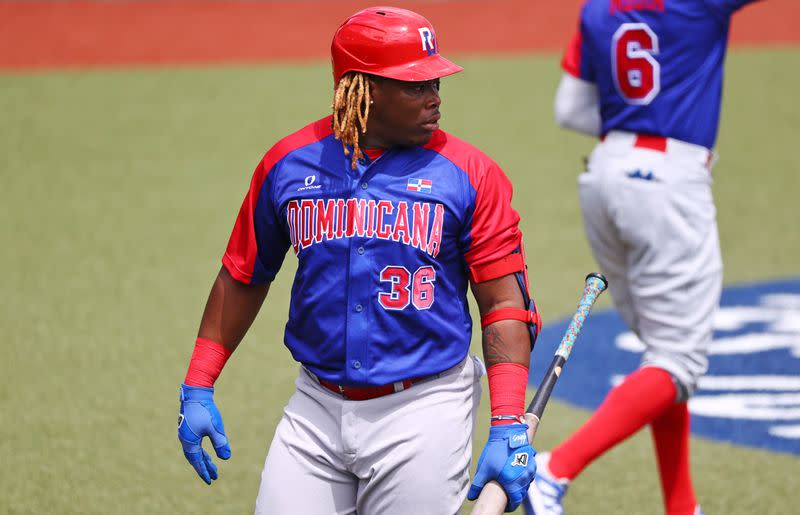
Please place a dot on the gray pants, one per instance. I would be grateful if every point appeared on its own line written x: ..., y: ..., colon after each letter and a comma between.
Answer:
x: 408, y: 452
x: 657, y: 242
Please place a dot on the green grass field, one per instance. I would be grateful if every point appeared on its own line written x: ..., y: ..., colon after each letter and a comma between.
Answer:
x: 119, y: 192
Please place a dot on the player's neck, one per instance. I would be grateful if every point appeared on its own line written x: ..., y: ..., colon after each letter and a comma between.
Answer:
x: 372, y: 142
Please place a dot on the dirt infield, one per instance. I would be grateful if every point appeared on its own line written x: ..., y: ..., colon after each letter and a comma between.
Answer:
x: 81, y: 34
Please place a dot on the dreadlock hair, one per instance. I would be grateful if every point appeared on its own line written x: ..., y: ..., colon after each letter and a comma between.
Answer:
x: 350, y: 112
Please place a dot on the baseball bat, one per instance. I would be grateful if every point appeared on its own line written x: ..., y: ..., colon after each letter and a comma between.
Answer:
x: 493, y: 500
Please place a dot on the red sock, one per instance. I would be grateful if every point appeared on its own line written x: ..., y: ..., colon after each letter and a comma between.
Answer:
x: 628, y: 407
x: 671, y: 438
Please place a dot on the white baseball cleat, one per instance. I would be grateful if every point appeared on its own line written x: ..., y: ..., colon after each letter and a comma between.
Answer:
x: 545, y: 493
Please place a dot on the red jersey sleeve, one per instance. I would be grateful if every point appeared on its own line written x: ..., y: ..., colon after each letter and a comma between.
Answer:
x: 575, y: 61
x: 241, y: 255
x: 259, y: 241
x: 491, y: 229
x: 571, y: 62
x: 494, y: 230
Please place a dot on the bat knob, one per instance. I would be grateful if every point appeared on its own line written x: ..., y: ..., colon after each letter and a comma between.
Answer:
x: 599, y: 277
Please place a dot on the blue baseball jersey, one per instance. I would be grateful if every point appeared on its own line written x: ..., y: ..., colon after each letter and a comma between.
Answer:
x: 657, y: 64
x: 384, y: 251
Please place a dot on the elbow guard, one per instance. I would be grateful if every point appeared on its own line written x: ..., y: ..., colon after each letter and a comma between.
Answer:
x: 514, y: 263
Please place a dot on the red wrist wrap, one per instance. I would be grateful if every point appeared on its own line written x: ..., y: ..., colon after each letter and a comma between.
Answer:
x: 207, y: 361
x: 507, y: 383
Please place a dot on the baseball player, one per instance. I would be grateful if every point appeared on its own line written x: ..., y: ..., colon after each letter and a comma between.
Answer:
x: 646, y: 76
x: 390, y: 219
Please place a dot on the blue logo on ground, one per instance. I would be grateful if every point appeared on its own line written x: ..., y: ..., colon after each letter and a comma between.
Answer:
x: 751, y: 393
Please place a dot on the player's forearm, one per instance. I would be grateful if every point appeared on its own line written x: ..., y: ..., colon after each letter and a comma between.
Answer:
x: 230, y: 310
x: 507, y: 341
x: 506, y: 347
x: 506, y: 350
x: 504, y: 341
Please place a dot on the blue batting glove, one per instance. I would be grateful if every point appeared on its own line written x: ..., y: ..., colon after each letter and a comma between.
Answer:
x: 199, y: 418
x: 507, y: 458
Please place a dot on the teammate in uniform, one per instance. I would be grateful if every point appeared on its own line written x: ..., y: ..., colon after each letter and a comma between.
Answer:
x: 391, y: 219
x: 646, y: 76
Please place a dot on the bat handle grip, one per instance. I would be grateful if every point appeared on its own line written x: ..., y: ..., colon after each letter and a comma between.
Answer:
x: 493, y: 498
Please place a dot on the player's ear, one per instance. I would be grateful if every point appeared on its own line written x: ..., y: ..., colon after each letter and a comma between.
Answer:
x: 374, y: 83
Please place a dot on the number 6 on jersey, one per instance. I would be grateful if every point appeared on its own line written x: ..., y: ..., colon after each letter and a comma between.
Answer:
x: 637, y: 74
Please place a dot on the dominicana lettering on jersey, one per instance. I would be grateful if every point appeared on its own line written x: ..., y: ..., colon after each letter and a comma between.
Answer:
x: 314, y: 220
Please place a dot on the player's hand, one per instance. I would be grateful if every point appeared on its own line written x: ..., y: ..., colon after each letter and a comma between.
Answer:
x: 200, y: 418
x: 508, y: 458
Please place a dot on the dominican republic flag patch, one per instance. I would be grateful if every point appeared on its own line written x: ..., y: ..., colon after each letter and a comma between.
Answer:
x: 420, y: 185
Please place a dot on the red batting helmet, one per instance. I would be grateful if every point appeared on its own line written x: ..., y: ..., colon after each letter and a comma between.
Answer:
x: 389, y: 42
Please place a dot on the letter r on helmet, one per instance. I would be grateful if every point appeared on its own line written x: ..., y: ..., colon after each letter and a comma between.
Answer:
x: 428, y: 40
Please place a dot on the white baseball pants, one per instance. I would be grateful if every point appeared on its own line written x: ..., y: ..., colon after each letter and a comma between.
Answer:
x: 651, y: 222
x: 404, y: 453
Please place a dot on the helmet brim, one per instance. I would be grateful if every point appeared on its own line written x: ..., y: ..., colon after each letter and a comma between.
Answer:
x: 428, y: 68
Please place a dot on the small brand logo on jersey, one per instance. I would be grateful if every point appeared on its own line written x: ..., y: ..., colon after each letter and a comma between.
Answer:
x: 309, y: 184
x: 180, y: 419
x: 428, y: 40
x: 420, y: 185
x: 520, y: 460
x: 751, y: 393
